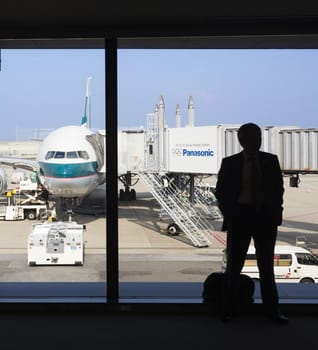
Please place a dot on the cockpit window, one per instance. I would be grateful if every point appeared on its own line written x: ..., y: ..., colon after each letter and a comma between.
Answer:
x: 83, y: 154
x: 59, y: 155
x: 49, y: 155
x: 71, y: 155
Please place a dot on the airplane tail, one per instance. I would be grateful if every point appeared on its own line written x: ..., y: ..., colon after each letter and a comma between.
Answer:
x: 86, y: 119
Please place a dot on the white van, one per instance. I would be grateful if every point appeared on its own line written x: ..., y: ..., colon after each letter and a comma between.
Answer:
x: 292, y: 264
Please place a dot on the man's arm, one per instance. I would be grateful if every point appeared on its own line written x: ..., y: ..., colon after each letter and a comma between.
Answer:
x: 279, y: 191
x: 220, y: 189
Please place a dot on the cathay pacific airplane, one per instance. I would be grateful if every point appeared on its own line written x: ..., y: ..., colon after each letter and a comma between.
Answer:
x: 70, y: 162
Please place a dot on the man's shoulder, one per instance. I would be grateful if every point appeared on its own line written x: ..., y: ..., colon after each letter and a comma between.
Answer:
x: 266, y: 155
x: 237, y: 157
x: 233, y: 157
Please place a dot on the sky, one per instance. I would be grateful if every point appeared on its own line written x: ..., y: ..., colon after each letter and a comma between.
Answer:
x: 42, y: 89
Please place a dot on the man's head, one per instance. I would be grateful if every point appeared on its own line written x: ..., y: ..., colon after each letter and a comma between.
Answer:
x: 250, y: 137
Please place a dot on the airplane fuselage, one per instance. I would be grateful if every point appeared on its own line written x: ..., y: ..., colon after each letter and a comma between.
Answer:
x: 68, y: 164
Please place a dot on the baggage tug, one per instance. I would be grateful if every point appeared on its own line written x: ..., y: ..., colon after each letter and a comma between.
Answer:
x: 57, y: 243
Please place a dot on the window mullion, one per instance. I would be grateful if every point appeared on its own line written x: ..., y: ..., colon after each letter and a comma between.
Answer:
x: 111, y: 171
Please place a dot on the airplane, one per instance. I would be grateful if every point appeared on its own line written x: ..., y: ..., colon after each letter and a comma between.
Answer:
x: 70, y: 162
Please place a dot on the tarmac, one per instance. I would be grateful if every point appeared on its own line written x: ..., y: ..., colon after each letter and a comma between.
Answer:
x: 147, y: 253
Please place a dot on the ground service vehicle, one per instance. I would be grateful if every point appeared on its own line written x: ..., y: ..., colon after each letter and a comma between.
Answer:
x: 292, y: 264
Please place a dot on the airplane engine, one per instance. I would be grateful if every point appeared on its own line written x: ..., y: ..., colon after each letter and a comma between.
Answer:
x: 3, y: 181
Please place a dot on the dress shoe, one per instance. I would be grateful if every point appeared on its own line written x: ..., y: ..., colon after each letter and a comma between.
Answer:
x: 227, y: 316
x: 278, y: 317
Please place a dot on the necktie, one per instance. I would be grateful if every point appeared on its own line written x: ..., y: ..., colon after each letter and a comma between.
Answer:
x: 255, y: 184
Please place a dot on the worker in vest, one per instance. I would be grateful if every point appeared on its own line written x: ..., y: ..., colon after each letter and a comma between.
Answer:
x: 53, y: 216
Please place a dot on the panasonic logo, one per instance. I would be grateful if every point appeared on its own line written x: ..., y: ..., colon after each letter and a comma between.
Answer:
x: 207, y: 153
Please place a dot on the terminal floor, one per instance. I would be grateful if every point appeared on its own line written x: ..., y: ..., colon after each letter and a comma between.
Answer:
x: 153, y: 331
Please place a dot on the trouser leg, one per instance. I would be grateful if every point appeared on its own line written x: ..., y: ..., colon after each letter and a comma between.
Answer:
x: 264, y: 241
x: 238, y: 241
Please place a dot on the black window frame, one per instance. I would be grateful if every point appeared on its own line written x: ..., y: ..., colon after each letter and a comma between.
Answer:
x: 111, y: 289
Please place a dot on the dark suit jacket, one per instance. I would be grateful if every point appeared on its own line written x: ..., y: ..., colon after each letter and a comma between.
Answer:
x: 229, y: 183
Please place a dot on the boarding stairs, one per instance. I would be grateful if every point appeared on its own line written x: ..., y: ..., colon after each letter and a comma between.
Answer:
x: 180, y: 209
x: 206, y: 200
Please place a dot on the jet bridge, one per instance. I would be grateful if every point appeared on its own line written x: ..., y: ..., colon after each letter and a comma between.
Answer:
x: 97, y: 141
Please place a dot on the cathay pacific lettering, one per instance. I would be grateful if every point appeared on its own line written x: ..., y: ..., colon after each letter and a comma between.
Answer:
x: 206, y: 153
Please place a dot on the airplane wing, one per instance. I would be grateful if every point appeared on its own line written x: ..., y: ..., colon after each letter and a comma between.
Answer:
x: 18, y: 163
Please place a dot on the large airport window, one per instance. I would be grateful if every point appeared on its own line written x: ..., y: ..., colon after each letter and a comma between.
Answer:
x: 53, y: 230
x: 178, y: 116
x: 169, y: 223
x: 179, y: 112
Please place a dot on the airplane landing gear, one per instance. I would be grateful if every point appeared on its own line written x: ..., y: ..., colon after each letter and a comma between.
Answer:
x: 68, y: 205
x: 127, y: 194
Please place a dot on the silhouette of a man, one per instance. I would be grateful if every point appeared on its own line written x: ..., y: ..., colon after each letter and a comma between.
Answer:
x: 250, y: 195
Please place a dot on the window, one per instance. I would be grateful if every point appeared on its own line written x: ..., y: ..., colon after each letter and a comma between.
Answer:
x: 151, y: 250
x: 250, y: 260
x: 282, y: 260
x: 157, y: 248
x: 49, y: 155
x: 55, y: 75
x: 71, y: 155
x: 83, y: 154
x: 306, y: 259
x: 59, y: 155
